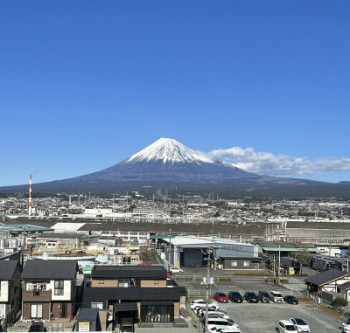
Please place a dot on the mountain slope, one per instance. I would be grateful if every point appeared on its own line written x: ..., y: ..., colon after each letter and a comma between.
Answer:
x: 166, y: 163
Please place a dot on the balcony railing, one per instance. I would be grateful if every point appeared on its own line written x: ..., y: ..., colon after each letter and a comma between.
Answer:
x: 36, y: 295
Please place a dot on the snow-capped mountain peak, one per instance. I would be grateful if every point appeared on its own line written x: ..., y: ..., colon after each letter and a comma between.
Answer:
x: 169, y: 151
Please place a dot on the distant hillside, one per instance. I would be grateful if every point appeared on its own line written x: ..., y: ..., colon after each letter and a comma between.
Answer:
x: 169, y: 164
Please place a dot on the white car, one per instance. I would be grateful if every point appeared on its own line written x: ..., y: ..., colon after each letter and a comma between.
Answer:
x: 286, y: 326
x: 346, y: 326
x: 201, y: 303
x: 222, y: 325
x: 218, y: 314
x: 176, y: 270
x: 300, y: 324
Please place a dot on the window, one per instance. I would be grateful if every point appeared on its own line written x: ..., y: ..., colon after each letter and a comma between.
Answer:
x: 59, y: 285
x: 157, y: 313
x: 97, y: 305
x: 36, y: 310
x: 123, y: 283
x: 234, y: 263
x: 246, y: 264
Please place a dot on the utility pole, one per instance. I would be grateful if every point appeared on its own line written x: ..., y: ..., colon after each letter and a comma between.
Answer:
x: 279, y: 264
x: 169, y: 251
x: 208, y: 281
x: 207, y: 291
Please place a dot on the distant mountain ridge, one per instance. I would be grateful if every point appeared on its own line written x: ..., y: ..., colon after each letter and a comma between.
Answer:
x: 167, y: 163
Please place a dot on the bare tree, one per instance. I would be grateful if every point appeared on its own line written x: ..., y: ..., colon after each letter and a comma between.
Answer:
x: 303, y: 257
x: 146, y: 255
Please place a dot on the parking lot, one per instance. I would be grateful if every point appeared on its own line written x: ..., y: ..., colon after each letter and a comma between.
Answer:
x: 263, y: 318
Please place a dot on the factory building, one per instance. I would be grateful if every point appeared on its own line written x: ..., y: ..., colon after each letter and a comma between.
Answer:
x: 191, y: 251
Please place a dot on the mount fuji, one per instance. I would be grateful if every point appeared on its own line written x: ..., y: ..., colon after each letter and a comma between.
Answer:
x: 166, y: 163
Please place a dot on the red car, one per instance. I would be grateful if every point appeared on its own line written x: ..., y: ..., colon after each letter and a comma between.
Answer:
x: 221, y: 297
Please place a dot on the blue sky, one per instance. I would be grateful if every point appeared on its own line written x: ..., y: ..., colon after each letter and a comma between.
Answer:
x: 86, y: 84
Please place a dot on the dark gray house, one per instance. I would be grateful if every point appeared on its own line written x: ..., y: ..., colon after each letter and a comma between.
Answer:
x: 10, y: 289
x: 49, y: 289
x: 140, y: 292
x: 329, y: 284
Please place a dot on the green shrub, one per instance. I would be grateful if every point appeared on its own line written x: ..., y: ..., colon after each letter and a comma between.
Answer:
x: 339, y: 301
x: 183, y: 291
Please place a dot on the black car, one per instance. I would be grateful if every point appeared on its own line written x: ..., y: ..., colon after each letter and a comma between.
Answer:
x: 251, y: 297
x: 290, y: 299
x: 235, y: 296
x: 37, y: 327
x: 264, y: 296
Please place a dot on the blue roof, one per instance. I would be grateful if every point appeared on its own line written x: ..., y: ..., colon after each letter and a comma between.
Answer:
x: 22, y: 227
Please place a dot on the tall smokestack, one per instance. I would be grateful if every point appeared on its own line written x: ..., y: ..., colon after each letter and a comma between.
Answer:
x: 30, y: 196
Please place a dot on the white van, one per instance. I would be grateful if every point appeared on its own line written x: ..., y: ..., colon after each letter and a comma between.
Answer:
x: 276, y: 297
x: 221, y: 323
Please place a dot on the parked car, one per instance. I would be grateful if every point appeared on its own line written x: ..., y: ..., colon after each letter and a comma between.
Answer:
x: 276, y: 297
x: 290, y: 299
x: 345, y: 326
x: 226, y: 330
x: 214, y: 314
x: 222, y: 324
x: 300, y: 324
x: 37, y: 326
x: 127, y: 325
x: 251, y: 297
x: 235, y: 296
x: 175, y: 270
x: 285, y: 326
x: 200, y: 303
x: 221, y: 313
x: 264, y: 296
x: 220, y: 297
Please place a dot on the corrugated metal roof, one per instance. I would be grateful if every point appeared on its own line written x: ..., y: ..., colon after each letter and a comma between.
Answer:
x: 67, y: 226
x: 50, y: 269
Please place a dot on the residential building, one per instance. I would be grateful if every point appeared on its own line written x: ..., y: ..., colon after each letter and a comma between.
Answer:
x: 10, y: 289
x: 143, y: 293
x: 330, y: 284
x: 49, y: 289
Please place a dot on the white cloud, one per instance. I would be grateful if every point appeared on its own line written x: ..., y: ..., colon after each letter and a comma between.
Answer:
x: 279, y: 165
